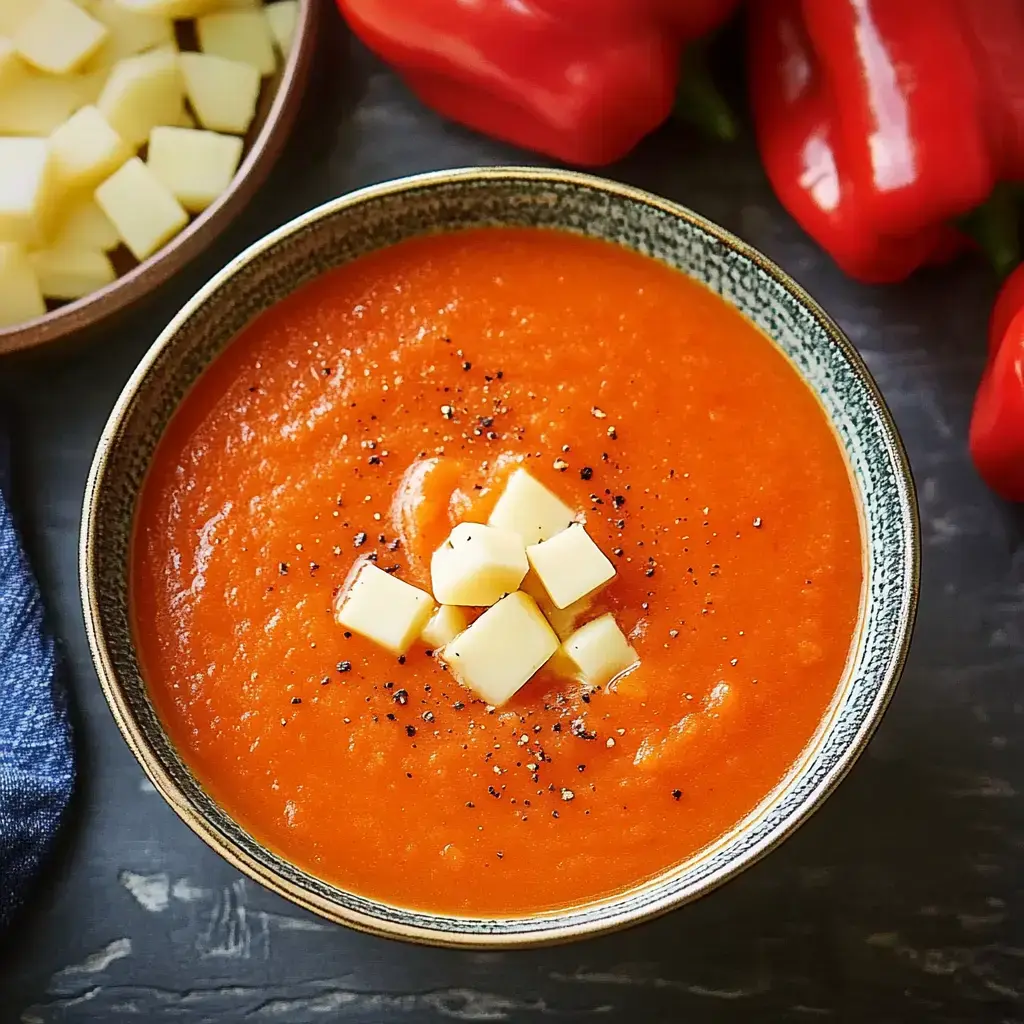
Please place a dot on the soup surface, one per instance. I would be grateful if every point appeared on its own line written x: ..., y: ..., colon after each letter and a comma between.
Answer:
x: 390, y: 399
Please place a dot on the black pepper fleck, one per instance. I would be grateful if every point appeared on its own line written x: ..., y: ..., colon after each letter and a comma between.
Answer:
x: 359, y: 539
x: 401, y: 697
x: 586, y: 473
x: 410, y: 730
x: 344, y: 666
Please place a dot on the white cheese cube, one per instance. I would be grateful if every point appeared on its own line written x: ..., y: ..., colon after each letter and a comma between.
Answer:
x: 570, y: 565
x: 242, y: 35
x: 477, y: 565
x: 196, y: 166
x: 24, y: 189
x: 383, y: 608
x: 222, y: 93
x: 85, y: 149
x: 444, y: 625
x: 20, y: 297
x: 71, y: 273
x: 35, y: 104
x: 501, y: 650
x: 562, y: 620
x: 282, y: 17
x: 58, y: 36
x: 599, y: 651
x: 129, y: 32
x: 85, y: 226
x: 171, y: 8
x: 142, y: 92
x: 144, y: 212
x: 10, y: 64
x: 528, y: 508
x: 12, y: 14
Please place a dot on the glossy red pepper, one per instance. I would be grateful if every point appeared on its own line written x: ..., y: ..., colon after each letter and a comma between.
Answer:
x: 997, y: 423
x: 579, y: 80
x: 880, y: 122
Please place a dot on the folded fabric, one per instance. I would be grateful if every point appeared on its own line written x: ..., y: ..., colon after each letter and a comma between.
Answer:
x: 36, y: 757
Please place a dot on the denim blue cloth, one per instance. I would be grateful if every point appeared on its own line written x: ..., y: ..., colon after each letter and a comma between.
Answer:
x: 36, y: 758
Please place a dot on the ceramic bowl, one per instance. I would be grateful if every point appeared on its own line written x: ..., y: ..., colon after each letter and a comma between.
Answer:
x: 385, y: 214
x: 278, y: 107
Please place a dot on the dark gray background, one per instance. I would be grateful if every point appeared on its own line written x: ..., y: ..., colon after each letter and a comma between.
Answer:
x: 900, y: 901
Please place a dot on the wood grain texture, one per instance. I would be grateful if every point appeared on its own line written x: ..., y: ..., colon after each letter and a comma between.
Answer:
x: 900, y: 901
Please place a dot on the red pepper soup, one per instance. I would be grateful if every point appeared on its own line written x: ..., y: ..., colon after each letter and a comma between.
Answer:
x: 390, y: 400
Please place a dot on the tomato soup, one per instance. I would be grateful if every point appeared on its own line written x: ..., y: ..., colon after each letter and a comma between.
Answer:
x: 390, y: 399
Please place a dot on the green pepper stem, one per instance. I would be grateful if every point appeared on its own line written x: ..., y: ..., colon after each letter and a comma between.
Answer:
x: 995, y: 227
x: 698, y: 100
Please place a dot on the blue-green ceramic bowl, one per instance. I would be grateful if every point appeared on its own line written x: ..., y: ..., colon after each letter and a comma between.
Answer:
x: 448, y: 200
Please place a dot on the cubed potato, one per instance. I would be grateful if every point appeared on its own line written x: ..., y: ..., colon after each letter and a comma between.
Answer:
x: 600, y: 651
x: 83, y: 225
x: 35, y: 104
x: 12, y: 14
x: 502, y: 650
x: 130, y: 32
x: 20, y: 297
x: 71, y: 273
x: 282, y: 17
x: 477, y: 565
x: 85, y: 149
x: 58, y: 36
x: 444, y: 625
x: 530, y: 509
x: 173, y: 9
x: 142, y: 209
x: 383, y: 608
x: 142, y: 92
x: 24, y: 189
x: 197, y: 166
x: 242, y: 35
x: 222, y: 93
x: 570, y: 565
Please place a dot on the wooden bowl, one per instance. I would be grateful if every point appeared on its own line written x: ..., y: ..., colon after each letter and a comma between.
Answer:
x: 275, y: 114
x: 372, y: 219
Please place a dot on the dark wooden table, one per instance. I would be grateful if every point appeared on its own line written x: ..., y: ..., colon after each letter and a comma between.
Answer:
x: 900, y: 901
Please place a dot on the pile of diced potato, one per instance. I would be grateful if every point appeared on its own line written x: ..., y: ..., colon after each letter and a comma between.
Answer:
x: 535, y: 570
x: 112, y: 135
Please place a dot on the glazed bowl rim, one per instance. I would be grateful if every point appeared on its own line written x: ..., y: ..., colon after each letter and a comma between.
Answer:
x: 552, y: 931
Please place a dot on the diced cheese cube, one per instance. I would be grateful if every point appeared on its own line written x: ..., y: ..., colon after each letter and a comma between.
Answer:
x: 36, y: 104
x: 24, y: 189
x: 501, y: 650
x: 144, y: 212
x: 383, y: 608
x: 58, y: 36
x: 222, y: 93
x: 129, y: 32
x: 282, y: 17
x: 85, y: 226
x: 477, y: 565
x: 599, y: 651
x: 20, y: 298
x: 171, y: 8
x: 196, y: 166
x: 242, y: 35
x: 71, y: 273
x: 85, y: 149
x: 12, y: 14
x: 142, y: 92
x: 10, y: 64
x: 444, y: 625
x: 562, y: 620
x: 570, y: 565
x: 528, y: 508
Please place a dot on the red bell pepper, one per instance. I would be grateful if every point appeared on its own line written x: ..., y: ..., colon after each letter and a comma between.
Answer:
x: 997, y: 424
x: 579, y: 80
x: 881, y: 122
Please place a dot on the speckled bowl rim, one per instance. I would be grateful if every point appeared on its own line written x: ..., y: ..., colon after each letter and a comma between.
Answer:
x: 98, y: 306
x: 555, y: 926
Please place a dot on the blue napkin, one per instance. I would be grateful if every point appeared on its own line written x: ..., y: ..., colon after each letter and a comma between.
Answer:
x: 36, y: 759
